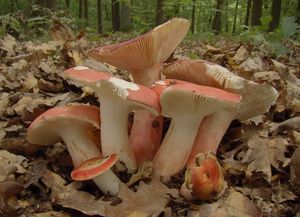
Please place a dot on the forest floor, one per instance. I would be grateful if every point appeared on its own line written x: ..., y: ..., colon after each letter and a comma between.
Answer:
x: 256, y: 154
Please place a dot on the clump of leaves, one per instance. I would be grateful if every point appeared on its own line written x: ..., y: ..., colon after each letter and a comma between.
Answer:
x: 34, y: 24
x: 277, y: 42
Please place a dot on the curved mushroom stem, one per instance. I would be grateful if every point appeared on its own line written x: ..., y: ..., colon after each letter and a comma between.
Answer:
x: 82, y: 148
x: 204, y: 177
x: 210, y: 133
x: 175, y: 149
x: 79, y: 145
x: 114, y: 131
x: 145, y: 137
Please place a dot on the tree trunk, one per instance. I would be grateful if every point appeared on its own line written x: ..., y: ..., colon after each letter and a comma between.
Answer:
x: 46, y: 3
x: 50, y: 4
x: 226, y: 17
x: 99, y: 17
x: 256, y: 12
x: 12, y: 6
x: 217, y: 24
x: 276, y: 9
x: 193, y: 17
x: 68, y: 3
x: 106, y: 11
x: 235, y: 15
x: 298, y: 12
x: 177, y: 8
x: 125, y: 16
x: 248, y: 12
x: 86, y: 12
x: 115, y: 12
x: 159, y: 12
x: 80, y: 9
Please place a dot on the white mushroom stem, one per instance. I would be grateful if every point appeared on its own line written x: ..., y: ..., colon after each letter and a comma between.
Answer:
x: 210, y: 133
x: 114, y: 135
x: 82, y: 148
x: 175, y: 149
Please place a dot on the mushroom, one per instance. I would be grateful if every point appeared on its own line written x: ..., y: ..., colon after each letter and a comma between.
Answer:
x: 143, y: 58
x: 187, y: 104
x: 93, y: 167
x: 256, y: 99
x: 204, y: 180
x: 74, y: 125
x: 117, y: 98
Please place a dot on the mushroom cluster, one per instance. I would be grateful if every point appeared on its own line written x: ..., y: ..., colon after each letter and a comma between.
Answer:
x: 200, y: 98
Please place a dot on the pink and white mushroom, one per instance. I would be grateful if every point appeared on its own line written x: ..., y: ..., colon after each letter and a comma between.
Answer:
x: 143, y: 58
x: 256, y: 100
x: 187, y: 104
x: 93, y: 167
x: 117, y: 98
x: 74, y: 125
x: 204, y: 180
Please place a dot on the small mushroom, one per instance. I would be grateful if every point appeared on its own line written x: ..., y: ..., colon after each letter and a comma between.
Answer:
x: 143, y: 58
x: 187, y: 104
x: 73, y: 124
x: 93, y: 167
x: 204, y: 180
x: 117, y: 98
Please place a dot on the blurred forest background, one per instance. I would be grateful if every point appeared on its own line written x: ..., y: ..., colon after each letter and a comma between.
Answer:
x: 271, y: 22
x: 105, y: 16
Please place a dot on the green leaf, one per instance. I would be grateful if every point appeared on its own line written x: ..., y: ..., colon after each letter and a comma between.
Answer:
x: 289, y: 26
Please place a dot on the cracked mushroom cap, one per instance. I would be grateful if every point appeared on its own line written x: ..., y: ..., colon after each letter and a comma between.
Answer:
x: 43, y: 130
x: 204, y: 180
x: 146, y: 50
x: 257, y: 98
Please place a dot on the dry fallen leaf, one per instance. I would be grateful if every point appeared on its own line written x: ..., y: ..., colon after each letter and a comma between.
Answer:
x: 240, y: 55
x: 51, y: 214
x: 282, y: 193
x: 11, y: 163
x: 27, y: 103
x: 8, y: 43
x: 4, y: 100
x: 250, y: 65
x: 267, y: 76
x: 149, y: 200
x: 263, y: 153
x: 8, y: 200
x: 234, y: 205
x: 292, y: 123
x: 295, y: 167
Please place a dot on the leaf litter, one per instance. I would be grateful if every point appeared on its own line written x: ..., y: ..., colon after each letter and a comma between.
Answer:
x: 260, y: 156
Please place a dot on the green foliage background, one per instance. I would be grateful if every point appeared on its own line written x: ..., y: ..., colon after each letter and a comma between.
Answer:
x: 26, y: 20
